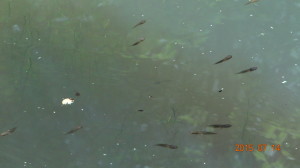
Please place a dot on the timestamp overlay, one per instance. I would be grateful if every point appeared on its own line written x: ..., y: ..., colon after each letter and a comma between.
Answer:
x: 258, y: 147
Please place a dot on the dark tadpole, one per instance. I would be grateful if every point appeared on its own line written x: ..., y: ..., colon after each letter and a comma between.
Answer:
x: 248, y: 70
x: 138, y: 42
x: 140, y: 110
x: 74, y: 130
x: 220, y: 125
x: 228, y: 57
x: 203, y: 133
x: 8, y: 131
x: 140, y: 23
x: 77, y: 94
x: 167, y: 146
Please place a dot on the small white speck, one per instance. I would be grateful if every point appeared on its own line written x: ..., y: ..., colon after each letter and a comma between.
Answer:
x: 54, y: 112
x: 262, y: 34
x: 263, y: 48
x: 283, y: 81
x: 210, y: 51
x: 243, y: 83
x: 145, y: 145
x: 194, y: 74
x: 182, y: 22
x: 134, y: 149
x: 26, y: 38
x: 39, y: 58
x: 173, y: 60
x: 81, y: 109
x: 282, y: 77
x: 117, y: 144
x: 24, y: 111
x: 155, y: 67
x: 104, y: 154
x: 39, y: 39
x: 220, y: 11
x: 153, y: 155
x: 296, y: 64
x: 142, y: 15
x: 182, y: 47
x: 110, y: 163
x: 251, y: 15
x: 67, y: 101
x: 240, y: 40
x: 223, y: 98
x: 286, y: 143
x: 296, y: 148
x: 271, y: 27
x: 204, y: 163
x: 201, y: 30
x: 210, y: 25
x: 202, y: 53
x: 291, y: 32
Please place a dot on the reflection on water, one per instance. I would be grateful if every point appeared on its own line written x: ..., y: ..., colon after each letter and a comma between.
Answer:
x: 159, y: 103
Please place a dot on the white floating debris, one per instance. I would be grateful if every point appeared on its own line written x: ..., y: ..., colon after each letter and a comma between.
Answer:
x: 283, y: 81
x: 67, y: 101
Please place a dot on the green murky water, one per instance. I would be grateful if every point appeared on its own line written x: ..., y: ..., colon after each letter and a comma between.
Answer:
x: 157, y: 92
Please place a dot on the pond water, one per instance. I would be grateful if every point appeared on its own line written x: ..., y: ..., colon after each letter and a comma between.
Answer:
x: 127, y: 99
